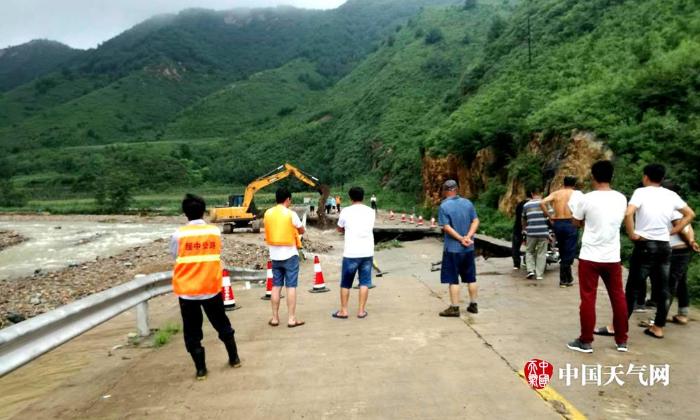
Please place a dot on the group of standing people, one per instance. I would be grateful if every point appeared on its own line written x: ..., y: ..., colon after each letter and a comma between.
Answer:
x: 652, y: 217
x: 656, y: 219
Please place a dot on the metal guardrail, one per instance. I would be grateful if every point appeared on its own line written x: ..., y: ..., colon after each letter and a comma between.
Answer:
x: 27, y: 340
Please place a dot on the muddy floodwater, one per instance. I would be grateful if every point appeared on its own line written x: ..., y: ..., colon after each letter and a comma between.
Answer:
x: 53, y: 245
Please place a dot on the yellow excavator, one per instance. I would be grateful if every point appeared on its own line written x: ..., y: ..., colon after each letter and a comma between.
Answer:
x: 241, y: 210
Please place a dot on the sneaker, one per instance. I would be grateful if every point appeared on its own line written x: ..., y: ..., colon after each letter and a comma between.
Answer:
x: 566, y: 284
x: 622, y: 347
x: 473, y: 308
x: 579, y: 346
x: 516, y: 268
x: 530, y: 275
x: 451, y: 311
x: 539, y: 277
x: 650, y: 303
x: 640, y: 308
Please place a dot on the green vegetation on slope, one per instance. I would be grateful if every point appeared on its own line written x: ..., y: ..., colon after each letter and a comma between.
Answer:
x: 23, y: 63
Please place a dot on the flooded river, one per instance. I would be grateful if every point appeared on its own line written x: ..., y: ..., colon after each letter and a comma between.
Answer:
x: 54, y: 245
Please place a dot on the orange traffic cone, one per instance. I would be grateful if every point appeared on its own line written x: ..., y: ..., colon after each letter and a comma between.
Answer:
x: 432, y: 222
x: 411, y: 218
x: 268, y: 283
x: 227, y: 292
x: 420, y: 221
x: 403, y: 217
x: 319, y: 283
x: 391, y: 214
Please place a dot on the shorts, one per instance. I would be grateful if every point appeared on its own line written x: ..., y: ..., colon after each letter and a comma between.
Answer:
x: 286, y: 272
x: 456, y: 265
x: 355, y: 265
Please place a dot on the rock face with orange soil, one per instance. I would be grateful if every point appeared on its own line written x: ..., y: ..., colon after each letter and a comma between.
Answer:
x: 473, y: 178
x: 572, y: 156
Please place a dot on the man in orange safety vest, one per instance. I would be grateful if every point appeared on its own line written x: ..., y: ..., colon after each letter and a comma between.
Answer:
x: 197, y: 278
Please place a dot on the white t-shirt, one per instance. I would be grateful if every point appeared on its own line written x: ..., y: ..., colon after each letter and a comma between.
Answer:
x: 655, y: 206
x: 676, y: 239
x: 281, y: 253
x: 574, y: 199
x: 603, y: 213
x: 358, y: 222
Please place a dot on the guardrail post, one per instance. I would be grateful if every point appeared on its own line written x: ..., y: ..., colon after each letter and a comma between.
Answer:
x: 142, y: 319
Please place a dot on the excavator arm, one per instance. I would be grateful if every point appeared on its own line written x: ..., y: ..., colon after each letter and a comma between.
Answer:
x: 243, y: 214
x: 278, y: 174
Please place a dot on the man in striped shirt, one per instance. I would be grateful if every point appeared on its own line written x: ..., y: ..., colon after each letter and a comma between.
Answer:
x: 537, y: 233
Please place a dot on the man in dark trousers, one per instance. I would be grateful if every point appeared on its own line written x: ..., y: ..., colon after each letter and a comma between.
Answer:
x: 563, y: 226
x: 197, y: 277
x: 518, y: 236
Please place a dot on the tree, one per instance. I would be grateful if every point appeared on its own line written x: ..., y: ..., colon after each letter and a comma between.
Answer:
x: 9, y: 196
x: 469, y: 4
x: 434, y: 36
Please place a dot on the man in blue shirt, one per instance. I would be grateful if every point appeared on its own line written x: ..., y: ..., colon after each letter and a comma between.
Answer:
x: 458, y: 219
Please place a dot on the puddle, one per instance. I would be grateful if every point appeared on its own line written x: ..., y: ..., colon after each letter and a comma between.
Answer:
x: 56, y: 245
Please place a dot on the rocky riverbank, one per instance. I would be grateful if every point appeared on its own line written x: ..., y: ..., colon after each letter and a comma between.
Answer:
x: 9, y: 238
x: 22, y: 298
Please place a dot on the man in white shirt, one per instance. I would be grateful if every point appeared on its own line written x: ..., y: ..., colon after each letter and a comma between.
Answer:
x: 601, y: 212
x: 648, y: 216
x: 357, y: 223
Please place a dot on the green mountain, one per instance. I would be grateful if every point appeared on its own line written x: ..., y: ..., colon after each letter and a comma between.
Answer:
x: 131, y: 86
x: 23, y: 63
x: 364, y: 93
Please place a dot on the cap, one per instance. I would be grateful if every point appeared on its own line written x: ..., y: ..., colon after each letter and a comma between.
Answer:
x: 450, y: 184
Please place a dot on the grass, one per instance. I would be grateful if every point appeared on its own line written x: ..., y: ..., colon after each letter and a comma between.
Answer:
x: 165, y: 334
x: 394, y: 243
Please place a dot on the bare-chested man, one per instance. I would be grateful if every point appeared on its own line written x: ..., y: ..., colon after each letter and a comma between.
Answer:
x: 563, y: 201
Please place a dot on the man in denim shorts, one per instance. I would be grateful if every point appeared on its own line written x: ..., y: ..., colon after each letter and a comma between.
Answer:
x: 357, y: 223
x: 458, y: 219
x: 282, y: 230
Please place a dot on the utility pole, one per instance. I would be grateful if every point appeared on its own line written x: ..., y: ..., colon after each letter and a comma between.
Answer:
x: 529, y: 35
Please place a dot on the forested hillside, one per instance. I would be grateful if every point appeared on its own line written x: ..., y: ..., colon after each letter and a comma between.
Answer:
x: 363, y: 92
x: 23, y: 63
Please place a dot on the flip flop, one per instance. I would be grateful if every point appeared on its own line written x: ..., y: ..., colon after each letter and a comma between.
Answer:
x: 336, y: 315
x: 651, y: 334
x: 677, y: 320
x: 296, y: 324
x: 603, y: 331
x: 646, y: 324
x: 363, y: 315
x: 273, y: 324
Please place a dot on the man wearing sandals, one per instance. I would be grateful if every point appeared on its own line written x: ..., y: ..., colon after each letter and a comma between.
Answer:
x: 282, y: 230
x: 458, y: 219
x: 357, y: 223
x: 601, y: 211
x: 647, y: 220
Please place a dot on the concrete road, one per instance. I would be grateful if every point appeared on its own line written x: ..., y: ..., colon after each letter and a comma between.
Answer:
x: 402, y: 361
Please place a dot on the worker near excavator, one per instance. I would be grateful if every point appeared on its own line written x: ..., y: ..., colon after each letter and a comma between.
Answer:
x: 197, y: 277
x: 282, y: 235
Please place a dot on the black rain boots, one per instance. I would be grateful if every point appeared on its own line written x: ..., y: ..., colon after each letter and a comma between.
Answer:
x: 232, y: 350
x: 199, y: 363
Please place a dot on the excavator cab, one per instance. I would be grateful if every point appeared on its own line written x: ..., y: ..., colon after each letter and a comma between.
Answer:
x: 235, y: 200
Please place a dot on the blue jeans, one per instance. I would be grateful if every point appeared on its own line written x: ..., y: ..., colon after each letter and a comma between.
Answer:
x: 355, y: 265
x: 286, y: 272
x: 567, y: 238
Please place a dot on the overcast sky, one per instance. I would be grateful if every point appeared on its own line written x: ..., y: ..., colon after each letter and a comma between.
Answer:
x: 85, y: 23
